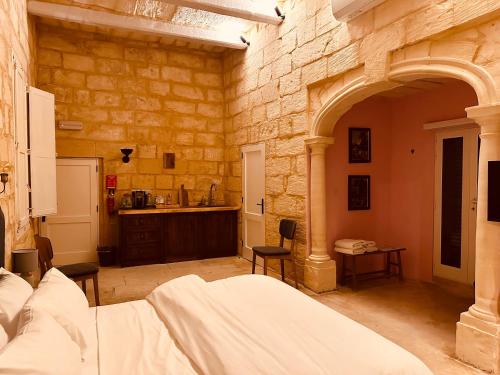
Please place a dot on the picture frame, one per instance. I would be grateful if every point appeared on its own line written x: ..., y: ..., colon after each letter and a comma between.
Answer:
x: 358, y: 192
x: 493, y: 189
x: 360, y: 145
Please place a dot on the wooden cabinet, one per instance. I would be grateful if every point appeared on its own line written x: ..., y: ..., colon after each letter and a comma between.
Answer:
x: 141, y: 239
x: 173, y: 237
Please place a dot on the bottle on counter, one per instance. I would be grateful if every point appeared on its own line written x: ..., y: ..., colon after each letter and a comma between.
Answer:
x: 183, y: 197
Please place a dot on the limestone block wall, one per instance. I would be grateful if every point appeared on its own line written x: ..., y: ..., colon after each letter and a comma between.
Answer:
x: 16, y: 36
x: 275, y: 89
x: 148, y: 97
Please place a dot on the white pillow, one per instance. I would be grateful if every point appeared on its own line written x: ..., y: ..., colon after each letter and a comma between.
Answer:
x: 42, y: 347
x: 14, y: 291
x: 66, y: 303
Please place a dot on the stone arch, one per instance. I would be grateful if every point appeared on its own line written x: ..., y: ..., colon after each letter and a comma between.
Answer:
x: 352, y: 91
x: 328, y: 102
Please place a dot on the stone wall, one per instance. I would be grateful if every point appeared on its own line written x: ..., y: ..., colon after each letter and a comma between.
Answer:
x: 274, y: 90
x: 16, y: 35
x: 145, y: 96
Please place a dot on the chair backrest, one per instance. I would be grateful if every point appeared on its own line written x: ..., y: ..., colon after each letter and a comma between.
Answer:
x: 45, y: 254
x: 287, y: 230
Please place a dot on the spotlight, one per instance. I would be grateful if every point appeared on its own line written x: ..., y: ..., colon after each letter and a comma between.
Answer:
x: 278, y: 12
x: 244, y: 40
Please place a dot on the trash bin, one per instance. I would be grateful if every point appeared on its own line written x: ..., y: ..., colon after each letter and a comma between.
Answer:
x: 106, y: 256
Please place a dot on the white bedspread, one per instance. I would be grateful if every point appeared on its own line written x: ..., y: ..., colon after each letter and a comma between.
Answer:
x: 134, y: 341
x: 258, y: 325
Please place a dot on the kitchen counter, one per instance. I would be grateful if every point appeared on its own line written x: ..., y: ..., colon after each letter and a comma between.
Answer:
x: 160, y: 235
x: 178, y: 210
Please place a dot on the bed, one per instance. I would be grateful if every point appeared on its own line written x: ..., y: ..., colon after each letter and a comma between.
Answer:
x: 249, y: 324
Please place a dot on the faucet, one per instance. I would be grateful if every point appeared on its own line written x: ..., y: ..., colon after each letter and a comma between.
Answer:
x: 211, y: 198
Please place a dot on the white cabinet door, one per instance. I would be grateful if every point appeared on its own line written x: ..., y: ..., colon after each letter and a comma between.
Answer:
x: 42, y: 153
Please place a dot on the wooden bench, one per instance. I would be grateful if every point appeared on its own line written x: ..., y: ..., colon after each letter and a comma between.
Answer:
x: 386, y: 272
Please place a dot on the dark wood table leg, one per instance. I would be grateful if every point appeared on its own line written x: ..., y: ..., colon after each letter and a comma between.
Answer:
x: 282, y: 266
x: 400, y: 265
x: 388, y: 264
x: 354, y: 271
x: 96, y: 290
x: 342, y: 274
x: 265, y: 265
x: 254, y: 258
x: 84, y: 286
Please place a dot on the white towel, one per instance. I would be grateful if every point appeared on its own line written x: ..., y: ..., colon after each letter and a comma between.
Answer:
x: 350, y: 251
x: 350, y: 244
x: 369, y: 249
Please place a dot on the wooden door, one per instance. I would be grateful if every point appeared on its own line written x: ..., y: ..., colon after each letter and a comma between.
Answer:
x: 254, y: 205
x: 73, y: 231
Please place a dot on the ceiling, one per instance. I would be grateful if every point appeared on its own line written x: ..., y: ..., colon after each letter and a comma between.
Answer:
x: 165, y: 12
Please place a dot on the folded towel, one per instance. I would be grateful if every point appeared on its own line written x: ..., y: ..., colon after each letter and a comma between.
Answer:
x: 370, y: 244
x: 350, y: 244
x: 349, y: 251
x: 369, y: 249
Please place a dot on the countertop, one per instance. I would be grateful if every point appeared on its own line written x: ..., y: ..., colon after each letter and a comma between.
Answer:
x: 178, y: 210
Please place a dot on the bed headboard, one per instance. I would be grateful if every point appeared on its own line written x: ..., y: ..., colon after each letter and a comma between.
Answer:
x: 2, y: 239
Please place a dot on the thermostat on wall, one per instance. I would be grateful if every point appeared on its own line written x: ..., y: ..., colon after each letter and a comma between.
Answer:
x: 70, y: 125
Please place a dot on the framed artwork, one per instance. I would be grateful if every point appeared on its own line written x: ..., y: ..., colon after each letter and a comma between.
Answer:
x: 358, y: 192
x: 360, y: 145
x: 493, y: 189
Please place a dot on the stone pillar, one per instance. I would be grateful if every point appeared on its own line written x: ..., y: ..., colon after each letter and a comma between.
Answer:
x: 320, y: 274
x: 478, y: 332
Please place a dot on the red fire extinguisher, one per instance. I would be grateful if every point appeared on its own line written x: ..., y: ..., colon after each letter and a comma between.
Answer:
x: 111, y: 186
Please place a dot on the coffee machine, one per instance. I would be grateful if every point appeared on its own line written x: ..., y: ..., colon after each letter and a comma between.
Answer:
x: 138, y: 199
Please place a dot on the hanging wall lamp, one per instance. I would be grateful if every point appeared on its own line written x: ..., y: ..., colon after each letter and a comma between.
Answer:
x: 126, y: 152
x: 4, y: 178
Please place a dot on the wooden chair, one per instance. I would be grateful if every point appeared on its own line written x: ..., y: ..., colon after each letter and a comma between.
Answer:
x: 77, y: 272
x: 287, y: 230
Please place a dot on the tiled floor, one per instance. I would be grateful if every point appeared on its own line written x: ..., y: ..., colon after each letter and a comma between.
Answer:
x: 419, y: 317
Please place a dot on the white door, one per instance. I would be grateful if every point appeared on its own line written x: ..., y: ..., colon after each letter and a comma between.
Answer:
x: 73, y: 231
x: 253, y: 171
x: 455, y: 204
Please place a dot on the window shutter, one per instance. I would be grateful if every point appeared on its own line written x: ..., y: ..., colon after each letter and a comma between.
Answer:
x: 42, y: 153
x: 21, y: 134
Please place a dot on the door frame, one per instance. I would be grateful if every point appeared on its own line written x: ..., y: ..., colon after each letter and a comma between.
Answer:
x: 469, y: 202
x: 247, y: 252
x: 42, y: 227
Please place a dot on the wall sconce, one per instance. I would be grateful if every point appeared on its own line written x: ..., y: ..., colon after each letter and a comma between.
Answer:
x: 4, y: 178
x: 126, y: 152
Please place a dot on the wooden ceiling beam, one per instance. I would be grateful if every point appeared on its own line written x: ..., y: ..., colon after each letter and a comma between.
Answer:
x: 134, y: 23
x: 253, y: 11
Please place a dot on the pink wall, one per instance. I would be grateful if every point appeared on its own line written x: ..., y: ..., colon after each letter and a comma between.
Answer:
x: 402, y: 182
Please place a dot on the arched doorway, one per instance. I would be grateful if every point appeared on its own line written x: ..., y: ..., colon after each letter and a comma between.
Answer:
x: 477, y: 340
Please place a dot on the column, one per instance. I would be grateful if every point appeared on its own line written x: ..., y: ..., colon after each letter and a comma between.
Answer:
x: 478, y: 332
x: 320, y: 274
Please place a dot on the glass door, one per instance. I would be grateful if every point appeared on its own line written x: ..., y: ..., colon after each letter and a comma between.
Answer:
x: 455, y: 204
